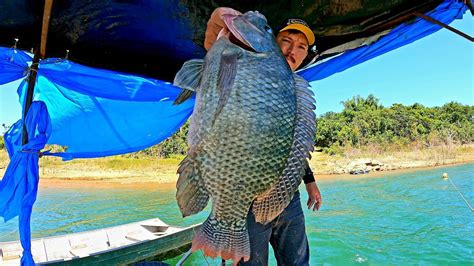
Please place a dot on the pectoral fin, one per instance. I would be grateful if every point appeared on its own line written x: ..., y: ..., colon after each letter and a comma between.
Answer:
x: 226, y: 78
x: 188, y: 78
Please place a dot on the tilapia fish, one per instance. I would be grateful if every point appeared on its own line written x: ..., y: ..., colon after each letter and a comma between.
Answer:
x: 250, y: 135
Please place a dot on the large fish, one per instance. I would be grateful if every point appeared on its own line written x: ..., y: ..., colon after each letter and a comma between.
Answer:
x: 250, y: 135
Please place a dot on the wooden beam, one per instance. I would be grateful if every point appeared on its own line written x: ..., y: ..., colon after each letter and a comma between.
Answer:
x: 44, y: 31
x: 432, y: 20
x: 39, y: 52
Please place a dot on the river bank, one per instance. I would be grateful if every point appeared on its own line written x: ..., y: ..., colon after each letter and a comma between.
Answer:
x: 119, y: 171
x: 137, y: 183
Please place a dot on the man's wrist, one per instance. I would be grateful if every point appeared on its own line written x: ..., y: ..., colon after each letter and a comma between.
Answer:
x: 308, y: 176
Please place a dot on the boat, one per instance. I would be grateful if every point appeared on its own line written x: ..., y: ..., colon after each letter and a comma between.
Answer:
x: 359, y: 172
x: 117, y: 245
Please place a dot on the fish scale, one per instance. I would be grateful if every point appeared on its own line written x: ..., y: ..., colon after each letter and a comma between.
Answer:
x: 248, y: 135
x: 233, y: 138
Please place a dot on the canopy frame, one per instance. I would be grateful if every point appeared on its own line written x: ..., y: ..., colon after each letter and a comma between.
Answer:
x: 437, y: 22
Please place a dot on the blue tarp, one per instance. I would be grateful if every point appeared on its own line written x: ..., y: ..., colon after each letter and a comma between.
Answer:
x: 97, y: 112
x: 13, y: 64
x: 404, y: 34
x: 19, y: 185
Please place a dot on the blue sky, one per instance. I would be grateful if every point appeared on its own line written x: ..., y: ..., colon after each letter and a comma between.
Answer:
x: 432, y: 71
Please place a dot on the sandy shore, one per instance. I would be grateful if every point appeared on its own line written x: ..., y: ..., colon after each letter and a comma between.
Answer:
x: 171, y: 183
x: 385, y: 173
x: 117, y: 172
x: 75, y: 183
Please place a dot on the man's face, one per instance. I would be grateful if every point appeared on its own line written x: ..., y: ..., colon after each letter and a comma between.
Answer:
x: 294, y: 47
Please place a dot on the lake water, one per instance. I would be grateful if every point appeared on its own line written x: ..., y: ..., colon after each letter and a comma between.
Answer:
x: 404, y: 218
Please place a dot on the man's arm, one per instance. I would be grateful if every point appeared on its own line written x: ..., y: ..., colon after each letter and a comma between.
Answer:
x: 216, y: 24
x: 314, y: 195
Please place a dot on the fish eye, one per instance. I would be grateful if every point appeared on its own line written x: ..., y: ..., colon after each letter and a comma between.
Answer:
x: 268, y: 29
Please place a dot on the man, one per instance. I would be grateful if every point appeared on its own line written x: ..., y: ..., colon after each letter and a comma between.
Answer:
x: 287, y: 232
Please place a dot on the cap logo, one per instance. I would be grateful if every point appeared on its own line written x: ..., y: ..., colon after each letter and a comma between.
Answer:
x: 297, y: 21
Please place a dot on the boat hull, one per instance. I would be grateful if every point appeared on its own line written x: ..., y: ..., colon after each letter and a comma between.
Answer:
x: 120, y: 245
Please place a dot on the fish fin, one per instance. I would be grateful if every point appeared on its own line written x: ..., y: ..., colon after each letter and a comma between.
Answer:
x: 226, y: 77
x: 191, y: 195
x: 188, y: 78
x: 268, y: 206
x: 217, y: 240
x: 183, y: 96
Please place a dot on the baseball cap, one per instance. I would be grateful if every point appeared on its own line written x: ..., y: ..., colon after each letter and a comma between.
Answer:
x: 301, y: 26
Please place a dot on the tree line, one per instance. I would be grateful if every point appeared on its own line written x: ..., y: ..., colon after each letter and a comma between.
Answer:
x: 364, y: 121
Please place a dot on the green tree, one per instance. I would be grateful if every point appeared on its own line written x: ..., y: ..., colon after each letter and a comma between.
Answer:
x: 364, y: 121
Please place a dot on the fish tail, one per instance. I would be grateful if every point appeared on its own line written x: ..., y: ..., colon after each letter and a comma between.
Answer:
x: 230, y: 242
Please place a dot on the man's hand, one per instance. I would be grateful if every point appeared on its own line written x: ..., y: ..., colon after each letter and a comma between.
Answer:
x: 216, y: 24
x: 314, y: 196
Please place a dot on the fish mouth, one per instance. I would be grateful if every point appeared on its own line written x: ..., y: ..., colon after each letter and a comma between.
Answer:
x: 233, y: 34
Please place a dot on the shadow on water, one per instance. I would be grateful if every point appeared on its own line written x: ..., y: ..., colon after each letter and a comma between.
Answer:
x: 408, y: 218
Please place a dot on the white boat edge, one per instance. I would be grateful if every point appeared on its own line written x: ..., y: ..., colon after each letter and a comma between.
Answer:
x: 79, y: 245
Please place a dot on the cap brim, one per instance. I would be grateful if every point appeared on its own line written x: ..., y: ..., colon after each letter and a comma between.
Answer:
x: 303, y: 29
